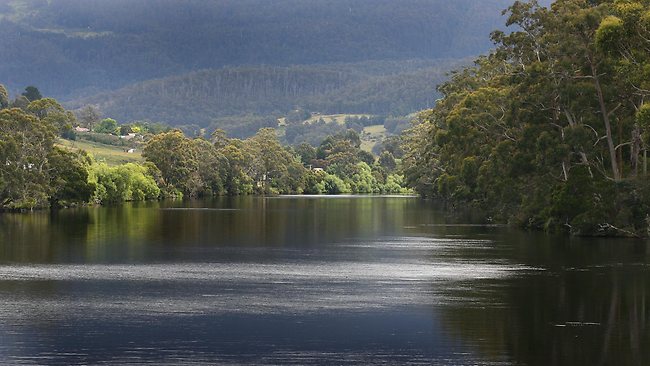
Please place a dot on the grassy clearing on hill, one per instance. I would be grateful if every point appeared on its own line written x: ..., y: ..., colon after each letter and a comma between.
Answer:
x: 371, y: 136
x: 111, y: 155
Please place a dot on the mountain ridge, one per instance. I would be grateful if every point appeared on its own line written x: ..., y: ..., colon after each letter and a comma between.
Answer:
x: 71, y: 48
x: 198, y: 97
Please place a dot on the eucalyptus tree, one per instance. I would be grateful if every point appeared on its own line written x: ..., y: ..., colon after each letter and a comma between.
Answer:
x: 25, y: 145
x: 32, y: 93
x: 279, y: 170
x: 51, y: 112
x: 549, y: 128
x: 176, y: 157
x: 89, y: 116
x: 4, y: 97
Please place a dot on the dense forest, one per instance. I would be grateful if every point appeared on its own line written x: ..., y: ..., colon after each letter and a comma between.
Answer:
x: 71, y: 48
x: 205, y: 96
x: 550, y: 130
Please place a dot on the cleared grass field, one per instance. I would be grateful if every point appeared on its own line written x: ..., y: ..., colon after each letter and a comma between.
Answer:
x: 109, y: 154
x: 371, y: 136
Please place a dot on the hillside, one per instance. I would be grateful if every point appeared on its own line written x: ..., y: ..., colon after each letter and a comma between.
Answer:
x: 72, y: 48
x: 203, y: 96
x: 397, y: 94
x: 109, y: 154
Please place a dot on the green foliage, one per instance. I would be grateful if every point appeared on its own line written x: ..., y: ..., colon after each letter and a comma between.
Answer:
x: 609, y: 33
x: 25, y: 145
x: 397, y: 125
x: 176, y: 157
x: 89, y: 116
x: 238, y: 160
x: 52, y: 113
x: 332, y: 184
x: 4, y: 97
x: 103, y: 138
x: 243, y: 126
x: 387, y: 161
x: 128, y: 182
x: 41, y: 108
x: 391, y: 144
x: 107, y: 125
x: 36, y: 174
x: 469, y: 170
x: 32, y: 93
x: 366, y: 157
x: 297, y: 116
x: 643, y: 119
x: 153, y: 128
x: 342, y: 159
x: 69, y: 178
x: 314, y: 182
x: 195, y: 167
x: 362, y: 181
x: 211, y: 165
x: 278, y: 171
x: 20, y: 102
x: 395, y: 185
x: 261, y: 165
x: 358, y: 123
x: 312, y: 133
x: 125, y: 130
x: 306, y: 152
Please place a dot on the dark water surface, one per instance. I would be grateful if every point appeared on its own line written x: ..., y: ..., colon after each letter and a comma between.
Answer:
x: 313, y: 280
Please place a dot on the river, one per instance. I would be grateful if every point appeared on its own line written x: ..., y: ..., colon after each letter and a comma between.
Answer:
x: 313, y: 280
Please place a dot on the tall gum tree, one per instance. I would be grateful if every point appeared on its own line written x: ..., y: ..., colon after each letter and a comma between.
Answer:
x: 552, y: 125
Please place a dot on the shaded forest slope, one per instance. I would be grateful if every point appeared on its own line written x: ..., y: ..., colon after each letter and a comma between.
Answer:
x: 70, y: 48
x: 201, y: 96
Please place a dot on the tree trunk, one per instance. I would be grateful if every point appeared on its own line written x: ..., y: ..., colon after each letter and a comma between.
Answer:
x: 635, y: 149
x: 608, y: 127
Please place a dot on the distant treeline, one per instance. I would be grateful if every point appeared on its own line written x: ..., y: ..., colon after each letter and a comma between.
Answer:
x: 36, y: 173
x: 314, y: 132
x: 217, y: 96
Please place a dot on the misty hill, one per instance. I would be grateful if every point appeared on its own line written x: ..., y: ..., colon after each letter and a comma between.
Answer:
x: 70, y: 48
x: 201, y: 96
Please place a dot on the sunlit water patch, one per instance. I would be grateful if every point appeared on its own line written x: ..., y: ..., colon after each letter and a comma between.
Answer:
x: 211, y: 288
